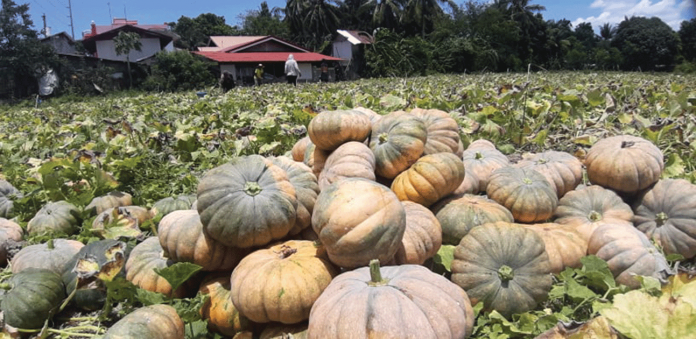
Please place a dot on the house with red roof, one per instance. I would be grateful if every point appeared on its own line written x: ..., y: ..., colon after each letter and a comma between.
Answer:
x: 240, y: 55
x: 154, y: 38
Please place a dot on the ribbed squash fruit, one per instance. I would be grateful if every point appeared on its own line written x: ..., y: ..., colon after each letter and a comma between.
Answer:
x: 182, y: 238
x: 33, y: 295
x: 397, y: 141
x: 330, y: 129
x: 308, y: 158
x: 482, y: 158
x: 374, y: 116
x: 170, y: 204
x: 298, y: 150
x: 470, y: 184
x: 110, y: 200
x: 443, y: 131
x: 406, y: 301
x: 7, y: 194
x: 318, y: 159
x: 561, y: 169
x: 525, y: 192
x: 624, y: 163
x: 282, y: 282
x: 359, y: 220
x: 422, y: 237
x: 59, y: 217
x: 563, y: 244
x: 628, y: 252
x: 141, y: 264
x: 350, y: 160
x: 306, y: 190
x: 247, y: 202
x: 50, y: 255
x: 587, y: 208
x: 219, y: 310
x: 459, y: 214
x: 155, y: 321
x: 667, y: 213
x: 430, y: 179
x: 9, y: 232
x: 504, y: 266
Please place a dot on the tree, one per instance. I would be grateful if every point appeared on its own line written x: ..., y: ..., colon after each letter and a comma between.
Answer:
x: 312, y: 22
x: 645, y: 43
x: 422, y: 14
x: 196, y: 32
x: 23, y: 58
x: 687, y: 34
x: 386, y: 13
x: 607, y: 31
x: 586, y: 35
x: 180, y: 70
x: 126, y: 42
x: 355, y: 15
x: 264, y: 22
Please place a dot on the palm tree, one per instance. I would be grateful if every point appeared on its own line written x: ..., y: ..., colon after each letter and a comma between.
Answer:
x: 607, y: 31
x: 312, y: 20
x: 424, y: 13
x: 386, y: 13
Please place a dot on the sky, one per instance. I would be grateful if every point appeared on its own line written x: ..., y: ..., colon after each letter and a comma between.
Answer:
x: 596, y: 12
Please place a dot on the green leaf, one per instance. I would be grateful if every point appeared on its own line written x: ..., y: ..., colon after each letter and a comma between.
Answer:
x: 579, y: 292
x: 148, y: 298
x: 196, y: 330
x: 178, y: 273
x: 444, y: 256
x: 674, y: 167
x: 596, y: 272
x: 390, y: 101
x: 595, y: 98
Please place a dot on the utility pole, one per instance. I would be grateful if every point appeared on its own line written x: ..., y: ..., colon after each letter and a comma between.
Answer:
x: 45, y: 32
x: 72, y: 27
x: 111, y: 18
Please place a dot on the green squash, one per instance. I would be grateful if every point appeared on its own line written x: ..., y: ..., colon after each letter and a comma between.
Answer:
x: 60, y: 217
x: 503, y: 265
x: 7, y: 193
x: 247, y: 202
x: 111, y: 199
x: 397, y: 140
x: 306, y: 189
x: 104, y: 252
x: 170, y: 204
x: 154, y: 322
x: 34, y: 295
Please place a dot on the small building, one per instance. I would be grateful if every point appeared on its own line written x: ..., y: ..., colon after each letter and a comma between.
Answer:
x: 240, y: 55
x: 349, y: 45
x: 99, y: 40
x: 62, y: 43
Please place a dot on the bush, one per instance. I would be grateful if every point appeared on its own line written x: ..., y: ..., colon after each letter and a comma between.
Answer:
x: 686, y: 67
x: 178, y: 71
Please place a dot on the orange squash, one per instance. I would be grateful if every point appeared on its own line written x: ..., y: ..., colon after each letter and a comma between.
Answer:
x: 422, y: 237
x: 561, y: 169
x: 563, y: 244
x: 350, y: 160
x: 330, y: 129
x: 430, y: 179
x: 219, y: 310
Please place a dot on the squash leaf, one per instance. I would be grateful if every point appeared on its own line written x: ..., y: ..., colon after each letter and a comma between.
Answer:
x: 444, y: 257
x: 178, y: 273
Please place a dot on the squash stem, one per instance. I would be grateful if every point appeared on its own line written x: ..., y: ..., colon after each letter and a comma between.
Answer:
x: 478, y: 156
x: 661, y: 218
x: 5, y: 286
x: 383, y: 137
x: 506, y: 273
x: 594, y: 216
x: 375, y: 274
x: 626, y: 144
x: 252, y: 188
x: 50, y: 244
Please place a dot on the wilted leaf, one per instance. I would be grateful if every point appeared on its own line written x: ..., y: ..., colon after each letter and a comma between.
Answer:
x: 596, y: 328
x: 587, y: 140
x: 391, y: 101
x: 674, y: 167
x: 444, y: 257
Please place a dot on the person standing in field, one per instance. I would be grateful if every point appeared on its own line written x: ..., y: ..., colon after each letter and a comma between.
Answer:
x: 258, y: 75
x: 292, y: 70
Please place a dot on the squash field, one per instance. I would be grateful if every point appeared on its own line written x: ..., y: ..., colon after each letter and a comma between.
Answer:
x: 544, y: 205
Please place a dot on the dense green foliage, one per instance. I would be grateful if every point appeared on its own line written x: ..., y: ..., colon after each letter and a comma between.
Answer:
x: 180, y: 70
x: 645, y: 43
x: 197, y: 31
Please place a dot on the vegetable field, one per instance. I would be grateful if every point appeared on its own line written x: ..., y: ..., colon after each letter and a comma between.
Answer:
x: 563, y: 204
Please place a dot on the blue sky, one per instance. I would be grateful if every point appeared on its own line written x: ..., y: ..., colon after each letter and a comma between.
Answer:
x: 159, y: 11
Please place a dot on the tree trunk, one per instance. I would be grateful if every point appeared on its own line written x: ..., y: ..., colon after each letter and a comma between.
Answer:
x: 130, y: 76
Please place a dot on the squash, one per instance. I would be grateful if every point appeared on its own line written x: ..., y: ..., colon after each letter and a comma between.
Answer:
x: 459, y: 214
x: 34, y: 295
x: 504, y: 266
x: 482, y: 158
x: 218, y: 309
x: 247, y: 202
x: 10, y: 232
x: 563, y: 244
x: 306, y: 190
x: 561, y: 169
x: 59, y: 217
x: 51, y: 255
x: 350, y: 160
x: 120, y: 221
x: 154, y: 321
x: 406, y: 301
x: 7, y: 194
x: 667, y: 214
x: 181, y: 236
x: 397, y: 141
x: 330, y: 129
x: 281, y: 283
x: 168, y: 205
x: 628, y: 252
x: 422, y: 237
x: 308, y: 158
x: 374, y: 116
x: 141, y: 264
x: 110, y: 200
x: 624, y: 163
x: 430, y: 179
x: 299, y: 148
x: 283, y: 331
x: 359, y: 220
x: 587, y: 208
x: 470, y: 184
x: 105, y: 252
x: 443, y: 131
x: 525, y: 192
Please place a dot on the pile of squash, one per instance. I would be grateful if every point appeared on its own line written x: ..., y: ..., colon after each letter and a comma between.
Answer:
x: 329, y: 241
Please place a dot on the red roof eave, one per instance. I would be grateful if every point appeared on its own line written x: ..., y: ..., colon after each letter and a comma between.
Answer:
x: 265, y: 57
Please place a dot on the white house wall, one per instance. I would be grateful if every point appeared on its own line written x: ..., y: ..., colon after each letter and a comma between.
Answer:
x: 106, y: 49
x: 343, y: 50
x: 306, y: 69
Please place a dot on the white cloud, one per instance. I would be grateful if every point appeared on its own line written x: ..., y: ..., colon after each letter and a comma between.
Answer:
x: 672, y: 12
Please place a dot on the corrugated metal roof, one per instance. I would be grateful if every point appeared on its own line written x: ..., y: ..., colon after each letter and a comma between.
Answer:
x: 223, y: 42
x: 355, y: 37
x: 265, y: 57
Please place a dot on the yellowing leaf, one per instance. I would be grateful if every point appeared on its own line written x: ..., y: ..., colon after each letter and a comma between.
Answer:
x: 674, y: 167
